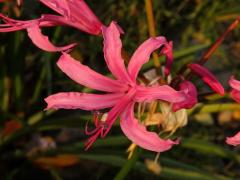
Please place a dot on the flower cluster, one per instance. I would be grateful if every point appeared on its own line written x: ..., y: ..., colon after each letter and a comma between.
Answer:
x: 124, y: 91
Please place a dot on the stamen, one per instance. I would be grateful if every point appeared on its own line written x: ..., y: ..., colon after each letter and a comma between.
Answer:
x: 157, y: 158
x: 100, y: 129
x: 96, y: 123
x: 92, y: 139
x: 91, y: 132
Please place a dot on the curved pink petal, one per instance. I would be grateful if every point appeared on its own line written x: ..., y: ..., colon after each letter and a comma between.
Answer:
x: 84, y: 17
x: 142, y: 55
x: 76, y: 13
x: 234, y: 140
x: 74, y: 100
x: 207, y: 77
x: 191, y: 96
x: 73, y: 13
x: 138, y: 134
x: 16, y: 25
x: 164, y: 92
x: 60, y: 6
x: 234, y: 83
x: 85, y: 76
x: 43, y: 42
x: 167, y: 51
x: 112, y: 52
x: 60, y: 20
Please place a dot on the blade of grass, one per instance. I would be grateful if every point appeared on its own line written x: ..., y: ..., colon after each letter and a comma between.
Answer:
x: 128, y: 165
x: 167, y: 172
x: 206, y: 147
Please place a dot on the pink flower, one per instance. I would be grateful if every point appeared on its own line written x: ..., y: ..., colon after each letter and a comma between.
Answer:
x: 207, y: 77
x: 121, y: 93
x: 234, y: 140
x: 191, y: 96
x: 235, y: 92
x: 73, y: 13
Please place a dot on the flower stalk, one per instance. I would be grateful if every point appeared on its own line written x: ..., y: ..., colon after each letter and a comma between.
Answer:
x: 218, y: 42
x: 152, y: 29
x: 129, y: 164
x: 206, y: 56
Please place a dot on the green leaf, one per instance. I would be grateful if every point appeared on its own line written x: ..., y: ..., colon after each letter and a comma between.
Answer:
x: 206, y: 147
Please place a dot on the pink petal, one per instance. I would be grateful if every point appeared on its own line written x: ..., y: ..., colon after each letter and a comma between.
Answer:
x: 191, y: 96
x: 85, y: 76
x: 84, y: 17
x: 138, y: 134
x: 234, y: 140
x: 207, y: 77
x: 112, y: 52
x: 167, y: 51
x: 60, y: 6
x: 74, y: 100
x: 43, y: 42
x: 164, y: 92
x: 234, y: 83
x: 16, y: 25
x: 74, y: 13
x: 77, y: 14
x: 235, y: 94
x: 142, y: 55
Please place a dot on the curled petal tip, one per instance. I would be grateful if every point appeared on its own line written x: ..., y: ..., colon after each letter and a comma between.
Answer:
x: 234, y: 140
x: 177, y: 141
x: 117, y: 26
x: 234, y: 83
x: 48, y: 100
x: 43, y: 42
x: 112, y: 52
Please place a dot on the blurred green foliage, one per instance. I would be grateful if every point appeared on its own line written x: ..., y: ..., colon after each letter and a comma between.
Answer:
x: 28, y: 75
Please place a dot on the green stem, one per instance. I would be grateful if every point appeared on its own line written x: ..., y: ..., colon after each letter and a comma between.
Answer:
x: 128, y: 165
x: 213, y: 108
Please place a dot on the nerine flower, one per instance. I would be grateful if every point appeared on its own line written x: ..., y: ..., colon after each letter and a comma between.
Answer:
x: 74, y: 13
x: 121, y: 93
x: 235, y: 94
